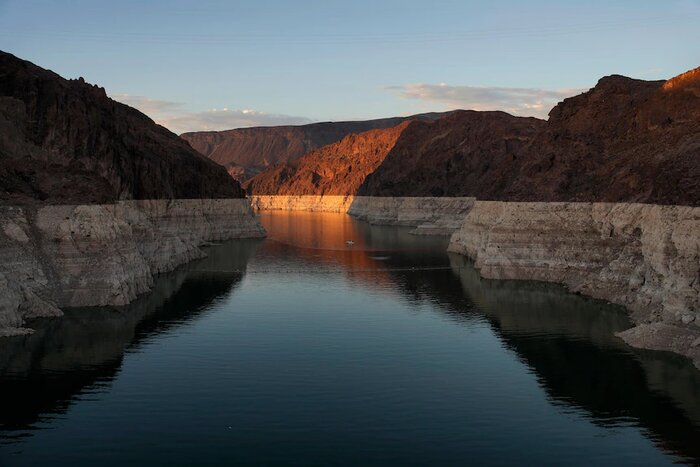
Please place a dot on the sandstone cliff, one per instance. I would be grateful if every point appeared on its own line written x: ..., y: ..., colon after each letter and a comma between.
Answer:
x: 246, y: 152
x: 65, y: 141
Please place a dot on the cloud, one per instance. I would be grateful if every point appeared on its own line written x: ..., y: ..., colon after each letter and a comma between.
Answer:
x: 517, y: 101
x: 176, y: 118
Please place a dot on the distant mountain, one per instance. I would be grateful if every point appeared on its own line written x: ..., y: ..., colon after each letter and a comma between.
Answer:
x: 65, y: 141
x: 336, y: 169
x: 625, y: 140
x: 246, y: 152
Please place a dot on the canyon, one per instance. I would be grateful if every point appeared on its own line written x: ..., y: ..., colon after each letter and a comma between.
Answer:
x: 603, y: 197
x: 96, y: 199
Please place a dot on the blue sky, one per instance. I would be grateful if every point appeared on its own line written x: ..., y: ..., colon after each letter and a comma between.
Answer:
x: 271, y: 62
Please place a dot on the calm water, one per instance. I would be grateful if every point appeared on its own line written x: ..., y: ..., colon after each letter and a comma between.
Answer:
x: 300, y: 350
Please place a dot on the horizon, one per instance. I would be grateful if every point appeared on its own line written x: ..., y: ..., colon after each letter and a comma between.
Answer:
x: 219, y: 66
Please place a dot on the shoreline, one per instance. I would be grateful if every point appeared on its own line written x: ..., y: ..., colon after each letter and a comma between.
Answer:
x: 644, y: 257
x: 60, y: 256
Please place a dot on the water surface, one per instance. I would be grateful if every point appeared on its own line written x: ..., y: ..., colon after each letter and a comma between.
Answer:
x: 302, y: 350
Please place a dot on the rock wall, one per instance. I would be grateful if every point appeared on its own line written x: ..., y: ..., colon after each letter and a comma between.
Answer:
x: 94, y: 255
x: 645, y: 257
x: 430, y: 215
x: 317, y: 203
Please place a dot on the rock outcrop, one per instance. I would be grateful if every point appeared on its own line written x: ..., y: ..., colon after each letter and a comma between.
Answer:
x: 64, y: 141
x: 645, y: 257
x: 246, y: 152
x: 103, y: 254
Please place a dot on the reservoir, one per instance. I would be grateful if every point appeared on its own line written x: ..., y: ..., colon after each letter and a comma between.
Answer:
x: 334, y: 342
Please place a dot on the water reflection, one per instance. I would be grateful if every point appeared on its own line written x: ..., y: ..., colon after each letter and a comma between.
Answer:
x: 41, y: 374
x: 566, y: 341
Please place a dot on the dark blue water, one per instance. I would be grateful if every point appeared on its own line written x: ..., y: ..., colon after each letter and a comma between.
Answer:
x: 301, y: 350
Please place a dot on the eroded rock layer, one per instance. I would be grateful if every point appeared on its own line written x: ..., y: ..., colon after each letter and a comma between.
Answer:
x: 106, y: 254
x: 645, y: 257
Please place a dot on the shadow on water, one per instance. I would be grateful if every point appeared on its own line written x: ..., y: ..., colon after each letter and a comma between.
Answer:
x: 42, y: 374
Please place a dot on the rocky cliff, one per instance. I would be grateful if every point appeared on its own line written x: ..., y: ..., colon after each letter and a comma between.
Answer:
x: 336, y: 169
x: 95, y: 198
x: 246, y: 152
x: 57, y: 256
x: 625, y: 140
x: 642, y: 256
x: 466, y: 153
x: 65, y: 141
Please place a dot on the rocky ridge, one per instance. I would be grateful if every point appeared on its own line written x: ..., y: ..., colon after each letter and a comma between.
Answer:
x: 246, y: 152
x: 65, y: 141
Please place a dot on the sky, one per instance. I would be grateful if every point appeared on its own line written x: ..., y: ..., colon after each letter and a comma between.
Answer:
x: 213, y: 65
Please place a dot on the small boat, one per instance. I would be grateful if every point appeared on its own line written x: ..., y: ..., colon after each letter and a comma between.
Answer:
x: 349, y: 242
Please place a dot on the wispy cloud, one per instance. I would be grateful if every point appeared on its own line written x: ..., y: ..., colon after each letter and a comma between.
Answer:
x: 176, y: 118
x: 517, y: 101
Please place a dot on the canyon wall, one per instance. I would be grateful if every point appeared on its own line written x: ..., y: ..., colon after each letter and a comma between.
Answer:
x: 430, y: 215
x: 103, y: 254
x: 246, y: 152
x: 645, y: 257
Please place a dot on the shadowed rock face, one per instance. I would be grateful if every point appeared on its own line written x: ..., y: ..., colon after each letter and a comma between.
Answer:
x: 467, y: 153
x: 624, y: 140
x: 65, y: 141
x: 246, y: 152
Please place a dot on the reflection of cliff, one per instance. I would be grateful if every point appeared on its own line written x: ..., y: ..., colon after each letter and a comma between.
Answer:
x: 317, y: 242
x: 43, y: 372
x: 568, y: 341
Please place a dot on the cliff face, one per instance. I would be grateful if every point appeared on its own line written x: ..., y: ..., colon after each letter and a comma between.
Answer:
x: 625, y: 140
x: 103, y: 254
x: 466, y: 153
x: 336, y: 169
x: 65, y: 141
x: 246, y: 152
x: 642, y: 256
